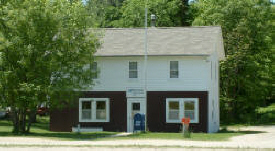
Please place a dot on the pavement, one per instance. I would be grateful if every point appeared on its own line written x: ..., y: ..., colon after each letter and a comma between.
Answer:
x: 264, y: 140
x: 120, y: 149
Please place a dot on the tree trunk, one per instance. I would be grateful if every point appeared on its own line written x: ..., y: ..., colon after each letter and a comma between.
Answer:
x: 32, y: 119
x: 15, y: 120
x: 23, y: 126
x: 22, y: 120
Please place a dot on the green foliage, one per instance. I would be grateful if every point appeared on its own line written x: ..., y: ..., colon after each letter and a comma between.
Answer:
x: 246, y: 74
x: 131, y: 13
x: 44, y: 48
x: 266, y: 114
x: 106, y: 12
x: 167, y: 12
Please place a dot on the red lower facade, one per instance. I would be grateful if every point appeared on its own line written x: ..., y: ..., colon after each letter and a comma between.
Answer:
x: 63, y: 120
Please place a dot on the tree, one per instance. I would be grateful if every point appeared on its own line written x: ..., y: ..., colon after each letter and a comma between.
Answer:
x: 45, y: 51
x: 246, y: 74
x: 130, y: 13
x: 167, y: 12
x: 107, y: 12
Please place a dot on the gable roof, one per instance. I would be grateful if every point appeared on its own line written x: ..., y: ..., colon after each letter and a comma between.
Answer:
x: 162, y: 41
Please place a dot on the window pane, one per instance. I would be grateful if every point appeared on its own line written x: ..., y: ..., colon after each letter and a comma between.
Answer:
x: 174, y: 69
x: 174, y: 105
x: 86, y: 105
x: 174, y: 110
x: 132, y: 65
x: 136, y: 106
x: 174, y: 65
x: 101, y: 110
x: 86, y: 110
x: 189, y: 109
x: 86, y: 114
x: 174, y: 74
x: 189, y: 114
x: 132, y: 74
x: 173, y: 114
x: 189, y: 105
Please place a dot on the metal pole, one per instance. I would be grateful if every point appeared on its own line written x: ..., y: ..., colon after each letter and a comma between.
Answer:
x: 145, y: 64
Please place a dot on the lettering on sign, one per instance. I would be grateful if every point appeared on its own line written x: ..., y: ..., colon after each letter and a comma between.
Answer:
x: 135, y: 92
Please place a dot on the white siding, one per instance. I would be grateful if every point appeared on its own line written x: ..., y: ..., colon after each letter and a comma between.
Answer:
x: 194, y: 73
x: 213, y: 103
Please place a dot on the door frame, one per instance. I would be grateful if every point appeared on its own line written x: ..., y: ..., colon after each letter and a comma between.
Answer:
x: 142, y: 102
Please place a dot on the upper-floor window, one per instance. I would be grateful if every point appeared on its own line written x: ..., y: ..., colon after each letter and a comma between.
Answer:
x: 94, y: 70
x: 174, y: 69
x: 133, y: 69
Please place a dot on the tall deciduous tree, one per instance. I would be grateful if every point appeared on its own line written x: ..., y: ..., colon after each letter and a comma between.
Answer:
x: 130, y: 13
x: 246, y: 74
x: 45, y: 48
x: 167, y: 12
x: 107, y: 12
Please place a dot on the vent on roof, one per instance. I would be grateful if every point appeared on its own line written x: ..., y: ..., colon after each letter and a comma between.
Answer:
x: 153, y: 20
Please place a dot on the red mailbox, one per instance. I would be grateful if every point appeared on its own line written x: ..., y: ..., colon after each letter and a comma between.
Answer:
x: 185, y: 121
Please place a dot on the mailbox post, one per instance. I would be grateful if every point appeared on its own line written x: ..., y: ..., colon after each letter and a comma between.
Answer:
x: 185, y: 127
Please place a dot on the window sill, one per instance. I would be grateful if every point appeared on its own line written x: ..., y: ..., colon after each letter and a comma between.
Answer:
x: 173, y: 79
x: 94, y: 121
x: 179, y: 122
x: 133, y: 79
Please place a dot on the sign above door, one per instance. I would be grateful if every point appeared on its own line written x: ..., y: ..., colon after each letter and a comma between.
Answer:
x: 135, y: 93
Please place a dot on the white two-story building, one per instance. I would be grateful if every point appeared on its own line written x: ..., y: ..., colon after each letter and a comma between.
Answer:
x: 179, y: 78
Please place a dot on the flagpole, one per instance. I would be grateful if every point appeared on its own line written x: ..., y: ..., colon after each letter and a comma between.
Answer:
x: 145, y: 62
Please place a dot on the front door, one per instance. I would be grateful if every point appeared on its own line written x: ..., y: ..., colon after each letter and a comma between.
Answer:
x: 134, y: 105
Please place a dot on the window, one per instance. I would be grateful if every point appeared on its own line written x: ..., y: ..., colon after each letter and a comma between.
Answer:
x: 94, y: 70
x: 174, y: 110
x: 100, y: 110
x: 93, y: 110
x: 86, y: 110
x: 136, y: 106
x: 189, y: 109
x: 133, y: 70
x: 174, y: 69
x: 178, y: 108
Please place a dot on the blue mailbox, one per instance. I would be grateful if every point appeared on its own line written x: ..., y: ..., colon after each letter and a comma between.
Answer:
x: 139, y: 122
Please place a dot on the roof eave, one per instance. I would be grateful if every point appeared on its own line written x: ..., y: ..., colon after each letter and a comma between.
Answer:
x: 152, y: 55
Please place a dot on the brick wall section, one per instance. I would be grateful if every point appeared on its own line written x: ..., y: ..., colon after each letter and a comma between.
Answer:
x: 156, y: 110
x: 64, y: 120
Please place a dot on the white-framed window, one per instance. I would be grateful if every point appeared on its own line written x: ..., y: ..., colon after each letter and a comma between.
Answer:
x: 133, y: 69
x: 94, y: 70
x: 94, y: 110
x: 178, y: 108
x: 174, y: 69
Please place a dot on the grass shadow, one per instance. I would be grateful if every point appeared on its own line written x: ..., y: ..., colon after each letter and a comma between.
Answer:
x: 225, y: 130
x: 4, y: 122
x: 63, y: 135
x: 41, y: 129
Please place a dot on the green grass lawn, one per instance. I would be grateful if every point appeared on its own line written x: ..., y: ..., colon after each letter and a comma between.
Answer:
x: 223, y: 135
x: 41, y: 129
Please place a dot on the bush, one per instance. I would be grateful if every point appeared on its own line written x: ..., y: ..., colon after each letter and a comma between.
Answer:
x: 266, y: 115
